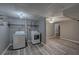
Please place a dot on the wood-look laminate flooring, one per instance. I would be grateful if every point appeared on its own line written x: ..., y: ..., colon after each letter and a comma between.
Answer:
x: 53, y: 46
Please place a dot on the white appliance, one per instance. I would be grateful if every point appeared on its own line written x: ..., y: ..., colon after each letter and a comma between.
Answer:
x: 35, y: 37
x: 19, y: 40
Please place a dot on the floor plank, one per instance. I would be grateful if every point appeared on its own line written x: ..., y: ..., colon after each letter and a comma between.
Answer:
x: 53, y: 46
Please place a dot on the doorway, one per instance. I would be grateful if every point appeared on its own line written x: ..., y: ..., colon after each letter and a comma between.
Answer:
x: 57, y: 29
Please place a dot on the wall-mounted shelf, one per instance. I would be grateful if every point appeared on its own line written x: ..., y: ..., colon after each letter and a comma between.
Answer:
x: 33, y: 25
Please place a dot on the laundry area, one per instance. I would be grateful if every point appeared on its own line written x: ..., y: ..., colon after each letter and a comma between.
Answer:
x: 17, y: 33
x: 29, y: 29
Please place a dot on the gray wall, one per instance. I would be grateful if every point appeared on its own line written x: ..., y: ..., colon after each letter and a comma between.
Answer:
x: 70, y: 30
x: 16, y: 25
x: 40, y: 22
x: 4, y: 37
x: 31, y: 28
x: 42, y: 29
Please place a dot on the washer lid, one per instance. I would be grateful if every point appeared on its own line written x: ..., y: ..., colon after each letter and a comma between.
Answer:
x: 19, y: 33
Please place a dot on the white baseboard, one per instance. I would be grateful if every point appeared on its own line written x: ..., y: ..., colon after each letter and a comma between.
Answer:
x: 69, y: 40
x: 5, y: 50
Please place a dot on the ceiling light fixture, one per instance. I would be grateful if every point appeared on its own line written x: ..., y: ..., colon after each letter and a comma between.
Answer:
x: 50, y: 20
x: 21, y: 14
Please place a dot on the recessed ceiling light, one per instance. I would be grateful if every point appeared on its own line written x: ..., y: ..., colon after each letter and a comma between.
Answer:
x: 21, y: 14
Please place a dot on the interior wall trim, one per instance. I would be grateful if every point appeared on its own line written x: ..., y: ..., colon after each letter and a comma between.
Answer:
x: 5, y: 49
x: 77, y: 42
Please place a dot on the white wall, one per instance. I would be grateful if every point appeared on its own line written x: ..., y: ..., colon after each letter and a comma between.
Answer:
x: 4, y: 37
x: 70, y: 30
x: 49, y: 29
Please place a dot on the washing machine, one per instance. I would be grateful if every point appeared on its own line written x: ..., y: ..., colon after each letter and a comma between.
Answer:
x: 19, y: 40
x: 35, y: 37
